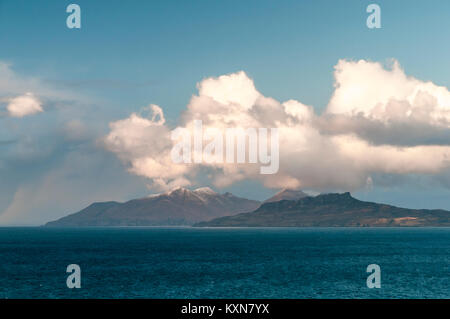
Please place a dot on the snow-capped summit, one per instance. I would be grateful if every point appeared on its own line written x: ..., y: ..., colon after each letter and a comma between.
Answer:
x: 205, y: 190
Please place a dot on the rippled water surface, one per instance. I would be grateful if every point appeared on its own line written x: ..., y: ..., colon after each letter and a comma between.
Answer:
x: 224, y: 263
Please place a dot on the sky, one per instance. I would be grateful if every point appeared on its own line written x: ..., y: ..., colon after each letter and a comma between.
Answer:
x: 368, y: 108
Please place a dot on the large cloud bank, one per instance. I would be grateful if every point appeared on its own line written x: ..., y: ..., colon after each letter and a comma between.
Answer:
x: 379, y: 121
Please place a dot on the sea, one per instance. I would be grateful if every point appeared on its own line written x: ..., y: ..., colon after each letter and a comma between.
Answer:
x: 161, y: 262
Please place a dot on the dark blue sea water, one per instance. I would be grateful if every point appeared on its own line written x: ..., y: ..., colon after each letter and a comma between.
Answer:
x: 225, y: 263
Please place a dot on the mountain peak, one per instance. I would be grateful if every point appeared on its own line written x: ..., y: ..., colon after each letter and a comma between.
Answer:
x: 287, y: 194
x: 178, y: 190
x: 182, y: 191
x: 336, y: 196
x: 205, y: 190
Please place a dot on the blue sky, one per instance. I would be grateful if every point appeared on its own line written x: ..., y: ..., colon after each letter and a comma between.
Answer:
x: 158, y: 50
x: 130, y: 54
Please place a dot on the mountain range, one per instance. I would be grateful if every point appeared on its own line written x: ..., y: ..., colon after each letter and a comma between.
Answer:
x: 179, y: 207
x: 204, y: 207
x: 331, y: 210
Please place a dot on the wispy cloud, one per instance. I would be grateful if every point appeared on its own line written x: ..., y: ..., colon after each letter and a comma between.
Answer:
x: 50, y: 164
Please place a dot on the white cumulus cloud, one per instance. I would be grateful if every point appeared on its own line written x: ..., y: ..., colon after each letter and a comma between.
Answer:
x: 144, y: 144
x: 24, y: 105
x: 387, y: 94
x: 328, y: 151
